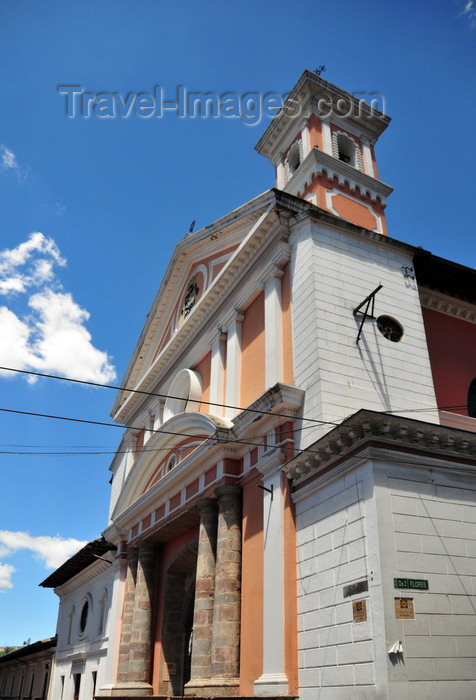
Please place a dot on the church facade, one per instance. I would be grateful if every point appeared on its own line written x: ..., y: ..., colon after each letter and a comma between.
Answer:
x: 293, y: 506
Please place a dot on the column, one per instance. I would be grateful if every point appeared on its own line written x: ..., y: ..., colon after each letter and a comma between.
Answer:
x: 127, y: 617
x: 273, y: 327
x: 140, y: 650
x: 273, y: 680
x: 217, y: 374
x: 204, y: 595
x: 233, y: 363
x: 225, y: 662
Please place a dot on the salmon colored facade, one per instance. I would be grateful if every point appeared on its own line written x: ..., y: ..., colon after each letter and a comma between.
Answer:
x: 288, y: 457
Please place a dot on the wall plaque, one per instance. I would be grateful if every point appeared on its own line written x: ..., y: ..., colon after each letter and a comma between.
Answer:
x: 359, y: 610
x: 404, y: 609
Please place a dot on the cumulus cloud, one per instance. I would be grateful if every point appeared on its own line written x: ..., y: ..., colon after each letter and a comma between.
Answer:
x: 50, y: 335
x: 6, y: 572
x: 52, y: 551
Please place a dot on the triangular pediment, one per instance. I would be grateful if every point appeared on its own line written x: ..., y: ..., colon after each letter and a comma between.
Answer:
x: 200, y: 263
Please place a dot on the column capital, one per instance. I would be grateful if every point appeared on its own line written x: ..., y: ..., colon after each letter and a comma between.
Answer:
x: 219, y: 334
x: 231, y: 492
x: 274, y: 271
x: 207, y: 504
x: 145, y: 546
x: 236, y: 316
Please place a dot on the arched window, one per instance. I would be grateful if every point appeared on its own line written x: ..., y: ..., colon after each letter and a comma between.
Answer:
x: 172, y: 461
x: 293, y: 159
x: 472, y: 399
x: 346, y: 149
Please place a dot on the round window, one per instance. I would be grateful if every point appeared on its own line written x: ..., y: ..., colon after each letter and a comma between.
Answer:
x: 390, y: 328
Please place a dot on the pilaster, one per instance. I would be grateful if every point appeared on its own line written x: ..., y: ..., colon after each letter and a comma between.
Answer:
x: 273, y: 326
x: 217, y: 373
x: 273, y: 681
x: 233, y: 363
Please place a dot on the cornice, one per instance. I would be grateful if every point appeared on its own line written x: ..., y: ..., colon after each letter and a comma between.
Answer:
x: 308, y: 90
x: 431, y: 299
x: 316, y: 162
x: 386, y: 431
x: 91, y: 573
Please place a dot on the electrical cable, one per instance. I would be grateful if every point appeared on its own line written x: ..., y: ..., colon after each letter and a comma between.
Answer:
x: 157, y: 395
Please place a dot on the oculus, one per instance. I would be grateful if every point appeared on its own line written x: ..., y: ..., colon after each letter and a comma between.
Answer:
x: 390, y: 328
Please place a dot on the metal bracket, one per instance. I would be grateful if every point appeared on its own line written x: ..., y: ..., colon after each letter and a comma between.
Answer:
x: 370, y: 301
x: 265, y: 488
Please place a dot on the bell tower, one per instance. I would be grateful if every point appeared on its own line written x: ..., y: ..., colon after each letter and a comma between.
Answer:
x: 321, y: 144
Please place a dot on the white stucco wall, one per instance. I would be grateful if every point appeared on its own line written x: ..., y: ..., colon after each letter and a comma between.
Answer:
x: 332, y: 273
x: 88, y: 652
x: 377, y: 520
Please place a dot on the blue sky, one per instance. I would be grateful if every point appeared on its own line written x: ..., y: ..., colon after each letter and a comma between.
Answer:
x: 91, y: 208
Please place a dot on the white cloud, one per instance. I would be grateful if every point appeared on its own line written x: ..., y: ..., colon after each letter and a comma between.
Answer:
x: 50, y: 335
x: 8, y: 159
x: 469, y: 11
x: 52, y: 551
x: 64, y: 343
x: 6, y: 572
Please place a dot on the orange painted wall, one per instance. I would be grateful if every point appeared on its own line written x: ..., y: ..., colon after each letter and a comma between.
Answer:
x: 204, y: 367
x: 353, y: 211
x: 288, y: 370
x: 348, y: 209
x: 252, y: 352
x: 451, y: 343
x: 251, y: 650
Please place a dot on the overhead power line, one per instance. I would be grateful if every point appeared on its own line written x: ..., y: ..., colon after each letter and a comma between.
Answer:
x: 157, y: 395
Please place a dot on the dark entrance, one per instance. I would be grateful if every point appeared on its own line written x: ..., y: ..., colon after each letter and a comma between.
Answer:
x: 179, y: 596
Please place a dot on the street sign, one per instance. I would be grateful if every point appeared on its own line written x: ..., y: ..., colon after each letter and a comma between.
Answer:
x: 416, y: 584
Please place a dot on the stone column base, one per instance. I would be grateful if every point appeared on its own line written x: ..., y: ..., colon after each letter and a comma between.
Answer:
x: 135, y: 689
x: 271, y: 685
x: 211, y: 688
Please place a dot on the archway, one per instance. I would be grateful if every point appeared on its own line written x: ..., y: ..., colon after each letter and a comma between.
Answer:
x: 179, y: 596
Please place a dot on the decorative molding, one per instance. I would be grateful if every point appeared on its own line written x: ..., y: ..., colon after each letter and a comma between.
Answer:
x: 378, y: 228
x: 389, y: 431
x: 318, y: 162
x: 431, y: 299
